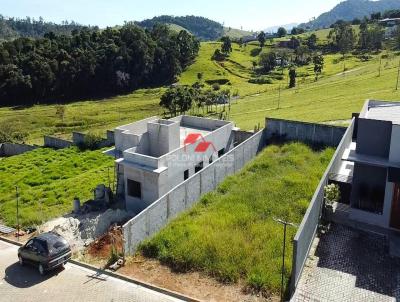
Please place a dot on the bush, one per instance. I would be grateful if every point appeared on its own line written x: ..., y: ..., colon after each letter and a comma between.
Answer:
x: 260, y: 80
x: 11, y: 134
x: 218, y: 81
x: 91, y: 142
x: 216, y: 87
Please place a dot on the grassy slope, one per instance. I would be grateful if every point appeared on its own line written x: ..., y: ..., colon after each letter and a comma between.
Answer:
x: 230, y: 233
x: 234, y: 33
x: 48, y: 180
x: 82, y: 116
x: 332, y: 98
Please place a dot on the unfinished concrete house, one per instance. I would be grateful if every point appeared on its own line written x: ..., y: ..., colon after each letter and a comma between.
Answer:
x: 156, y: 154
x: 371, y: 163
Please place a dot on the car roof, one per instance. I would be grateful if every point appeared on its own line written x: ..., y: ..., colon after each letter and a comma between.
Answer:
x: 48, y: 236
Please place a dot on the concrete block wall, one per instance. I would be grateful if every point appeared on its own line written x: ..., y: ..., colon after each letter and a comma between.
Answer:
x: 9, y: 149
x: 56, y: 143
x: 306, y: 233
x: 186, y: 194
x: 316, y: 134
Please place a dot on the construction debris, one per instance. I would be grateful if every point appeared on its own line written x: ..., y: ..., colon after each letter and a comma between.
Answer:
x: 80, y: 231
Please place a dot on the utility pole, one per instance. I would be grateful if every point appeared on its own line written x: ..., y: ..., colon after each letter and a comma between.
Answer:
x: 398, y: 76
x: 279, y: 97
x: 17, y: 196
x: 380, y: 66
x: 285, y: 224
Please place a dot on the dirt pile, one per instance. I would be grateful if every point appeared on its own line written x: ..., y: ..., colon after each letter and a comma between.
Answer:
x: 80, y: 231
x: 102, y: 247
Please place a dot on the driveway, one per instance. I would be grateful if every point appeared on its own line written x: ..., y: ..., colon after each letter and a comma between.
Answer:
x: 349, y: 265
x: 73, y: 283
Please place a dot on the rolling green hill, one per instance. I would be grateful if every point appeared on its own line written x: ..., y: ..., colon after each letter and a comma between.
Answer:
x: 349, y: 10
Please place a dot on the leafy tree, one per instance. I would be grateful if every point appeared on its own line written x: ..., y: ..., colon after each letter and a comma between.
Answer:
x: 318, y: 61
x: 226, y: 46
x: 292, y: 76
x: 178, y: 99
x: 376, y: 16
x: 397, y: 37
x: 90, y: 63
x: 281, y: 32
x: 262, y: 38
x: 267, y: 61
x: 60, y: 112
x: 343, y: 37
x: 294, y: 43
x: 312, y: 41
x: 303, y: 55
x: 297, y: 31
x: 371, y: 37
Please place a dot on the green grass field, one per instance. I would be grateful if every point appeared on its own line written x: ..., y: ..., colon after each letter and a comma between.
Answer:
x: 48, y: 181
x: 330, y: 100
x: 230, y: 234
x: 333, y: 97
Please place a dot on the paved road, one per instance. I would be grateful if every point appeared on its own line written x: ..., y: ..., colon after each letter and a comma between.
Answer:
x: 71, y: 284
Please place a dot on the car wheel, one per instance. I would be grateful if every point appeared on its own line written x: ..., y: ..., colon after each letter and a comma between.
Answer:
x: 41, y: 269
x: 20, y: 260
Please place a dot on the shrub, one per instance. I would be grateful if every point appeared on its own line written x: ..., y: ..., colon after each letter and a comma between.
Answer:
x: 218, y: 81
x: 216, y: 87
x: 260, y: 80
x: 92, y: 141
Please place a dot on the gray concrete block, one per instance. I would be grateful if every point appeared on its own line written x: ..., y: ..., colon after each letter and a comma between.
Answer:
x: 158, y: 215
x: 134, y: 233
x: 207, y: 180
x: 323, y: 135
x: 176, y: 201
x: 239, y: 161
x: 305, y: 132
x: 193, y: 190
x: 220, y: 172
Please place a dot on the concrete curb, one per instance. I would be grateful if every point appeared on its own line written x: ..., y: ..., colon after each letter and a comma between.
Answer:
x: 120, y: 277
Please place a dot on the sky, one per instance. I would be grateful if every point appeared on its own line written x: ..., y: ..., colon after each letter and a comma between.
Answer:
x: 249, y: 15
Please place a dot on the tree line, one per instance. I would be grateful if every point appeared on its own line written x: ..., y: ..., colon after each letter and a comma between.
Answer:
x: 92, y: 63
x: 11, y: 28
x: 203, y: 28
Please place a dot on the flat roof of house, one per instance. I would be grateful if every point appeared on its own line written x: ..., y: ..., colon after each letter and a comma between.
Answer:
x: 185, y: 131
x: 384, y: 112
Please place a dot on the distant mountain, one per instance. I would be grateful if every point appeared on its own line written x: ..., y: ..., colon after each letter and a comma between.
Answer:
x: 274, y: 29
x: 11, y: 28
x: 349, y: 10
x: 202, y: 28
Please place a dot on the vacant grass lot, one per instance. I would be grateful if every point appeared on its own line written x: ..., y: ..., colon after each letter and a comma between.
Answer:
x: 230, y: 234
x: 48, y: 181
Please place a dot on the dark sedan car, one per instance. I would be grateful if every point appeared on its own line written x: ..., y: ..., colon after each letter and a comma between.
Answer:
x: 46, y: 251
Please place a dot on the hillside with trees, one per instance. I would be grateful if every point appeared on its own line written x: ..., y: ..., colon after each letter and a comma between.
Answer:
x: 350, y: 10
x: 92, y: 64
x: 203, y: 28
x: 11, y: 28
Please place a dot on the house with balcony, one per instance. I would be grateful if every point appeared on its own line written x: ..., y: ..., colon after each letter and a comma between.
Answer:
x: 156, y: 155
x: 369, y: 173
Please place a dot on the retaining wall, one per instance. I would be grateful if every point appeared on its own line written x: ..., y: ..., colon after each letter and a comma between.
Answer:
x: 186, y: 194
x: 316, y: 134
x: 56, y: 143
x: 8, y: 149
x: 306, y: 233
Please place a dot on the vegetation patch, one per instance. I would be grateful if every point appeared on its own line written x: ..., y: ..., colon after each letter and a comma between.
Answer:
x: 48, y: 180
x: 230, y: 234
